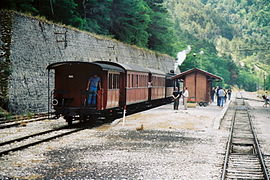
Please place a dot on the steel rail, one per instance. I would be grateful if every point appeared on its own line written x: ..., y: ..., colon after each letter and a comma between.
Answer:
x: 38, y: 142
x: 259, y: 152
x: 31, y: 135
x: 20, y: 118
x: 17, y: 123
x: 228, y: 148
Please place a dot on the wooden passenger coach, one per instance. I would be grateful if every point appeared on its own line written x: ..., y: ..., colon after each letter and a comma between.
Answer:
x: 70, y: 94
x: 121, y: 86
x: 157, y: 87
x: 199, y: 84
x: 134, y: 83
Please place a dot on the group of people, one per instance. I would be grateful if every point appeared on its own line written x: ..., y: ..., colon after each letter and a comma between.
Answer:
x: 221, y: 95
x: 177, y: 95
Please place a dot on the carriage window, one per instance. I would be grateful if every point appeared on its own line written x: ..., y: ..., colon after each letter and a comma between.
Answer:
x: 132, y: 80
x: 145, y: 81
x: 113, y: 81
x: 110, y: 81
x: 116, y: 81
x: 137, y: 80
x: 128, y: 80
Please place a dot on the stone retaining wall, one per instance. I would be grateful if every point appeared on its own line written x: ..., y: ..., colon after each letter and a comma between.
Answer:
x: 35, y: 44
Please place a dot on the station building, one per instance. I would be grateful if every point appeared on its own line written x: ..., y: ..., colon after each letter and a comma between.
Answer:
x: 199, y: 83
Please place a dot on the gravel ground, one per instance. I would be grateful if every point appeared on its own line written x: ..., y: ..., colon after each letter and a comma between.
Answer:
x: 181, y: 144
x: 30, y: 128
x: 261, y: 118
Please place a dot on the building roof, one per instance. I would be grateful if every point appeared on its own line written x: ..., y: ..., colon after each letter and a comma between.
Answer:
x: 184, y: 74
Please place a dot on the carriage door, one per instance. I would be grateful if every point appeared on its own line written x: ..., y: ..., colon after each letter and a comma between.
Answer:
x: 122, y: 92
x: 113, y: 89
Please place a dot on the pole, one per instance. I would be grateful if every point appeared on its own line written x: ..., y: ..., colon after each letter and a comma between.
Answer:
x: 264, y: 82
x: 124, y: 116
x: 48, y: 94
x: 51, y: 5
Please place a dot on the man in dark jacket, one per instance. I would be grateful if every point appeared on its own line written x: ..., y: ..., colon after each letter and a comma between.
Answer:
x: 176, y: 96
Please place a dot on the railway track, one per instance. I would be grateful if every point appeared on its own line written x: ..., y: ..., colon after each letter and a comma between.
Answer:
x: 37, y: 138
x: 45, y: 136
x: 243, y: 158
x: 17, y: 122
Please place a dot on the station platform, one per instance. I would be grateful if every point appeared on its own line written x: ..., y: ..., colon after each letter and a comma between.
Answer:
x: 164, y: 117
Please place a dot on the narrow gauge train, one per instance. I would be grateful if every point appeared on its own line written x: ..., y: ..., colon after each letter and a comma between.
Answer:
x: 122, y: 87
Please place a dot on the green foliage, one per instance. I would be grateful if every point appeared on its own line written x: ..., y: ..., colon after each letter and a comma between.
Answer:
x: 239, y: 31
x: 130, y: 20
x: 233, y: 34
x: 19, y: 5
x: 65, y: 12
x: 247, y: 80
x: 267, y: 82
x: 96, y: 15
x: 161, y: 28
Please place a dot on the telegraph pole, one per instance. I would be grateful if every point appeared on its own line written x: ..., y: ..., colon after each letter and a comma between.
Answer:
x: 264, y: 81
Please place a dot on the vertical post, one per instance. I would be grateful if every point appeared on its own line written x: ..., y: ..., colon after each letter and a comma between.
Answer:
x: 48, y: 93
x: 264, y: 88
x: 51, y: 6
x: 124, y: 115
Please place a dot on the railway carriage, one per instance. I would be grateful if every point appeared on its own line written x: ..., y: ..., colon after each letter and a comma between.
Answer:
x: 69, y: 95
x: 121, y: 86
x: 157, y: 88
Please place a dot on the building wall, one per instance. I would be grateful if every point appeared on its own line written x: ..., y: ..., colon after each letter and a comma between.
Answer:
x: 197, y: 86
x: 35, y: 44
x: 190, y: 83
x: 201, y: 87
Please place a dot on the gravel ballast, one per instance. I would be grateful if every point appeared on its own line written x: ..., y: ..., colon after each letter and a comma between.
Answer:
x: 156, y: 144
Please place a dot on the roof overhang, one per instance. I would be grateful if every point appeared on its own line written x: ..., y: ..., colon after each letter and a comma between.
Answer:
x: 184, y: 74
x: 105, y: 67
x: 126, y: 67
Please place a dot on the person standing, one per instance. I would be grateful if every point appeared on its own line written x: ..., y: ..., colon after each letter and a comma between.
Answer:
x: 185, y: 97
x: 229, y: 92
x: 218, y: 98
x: 221, y: 94
x: 176, y: 96
x: 213, y: 92
x: 92, y: 88
x: 225, y: 96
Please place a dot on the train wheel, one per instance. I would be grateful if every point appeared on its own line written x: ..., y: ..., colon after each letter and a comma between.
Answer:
x: 200, y: 103
x: 69, y: 120
x: 93, y: 118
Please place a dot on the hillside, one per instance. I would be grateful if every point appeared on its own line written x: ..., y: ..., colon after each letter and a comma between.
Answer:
x: 238, y: 29
x: 229, y: 38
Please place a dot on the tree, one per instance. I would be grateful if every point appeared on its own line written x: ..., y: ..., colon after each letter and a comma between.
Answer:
x: 161, y: 28
x: 130, y: 20
x: 96, y: 15
x: 19, y: 5
x: 66, y: 12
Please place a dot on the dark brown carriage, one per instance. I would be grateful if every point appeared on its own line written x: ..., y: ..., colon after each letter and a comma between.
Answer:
x: 122, y: 86
x: 134, y: 86
x: 70, y: 94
